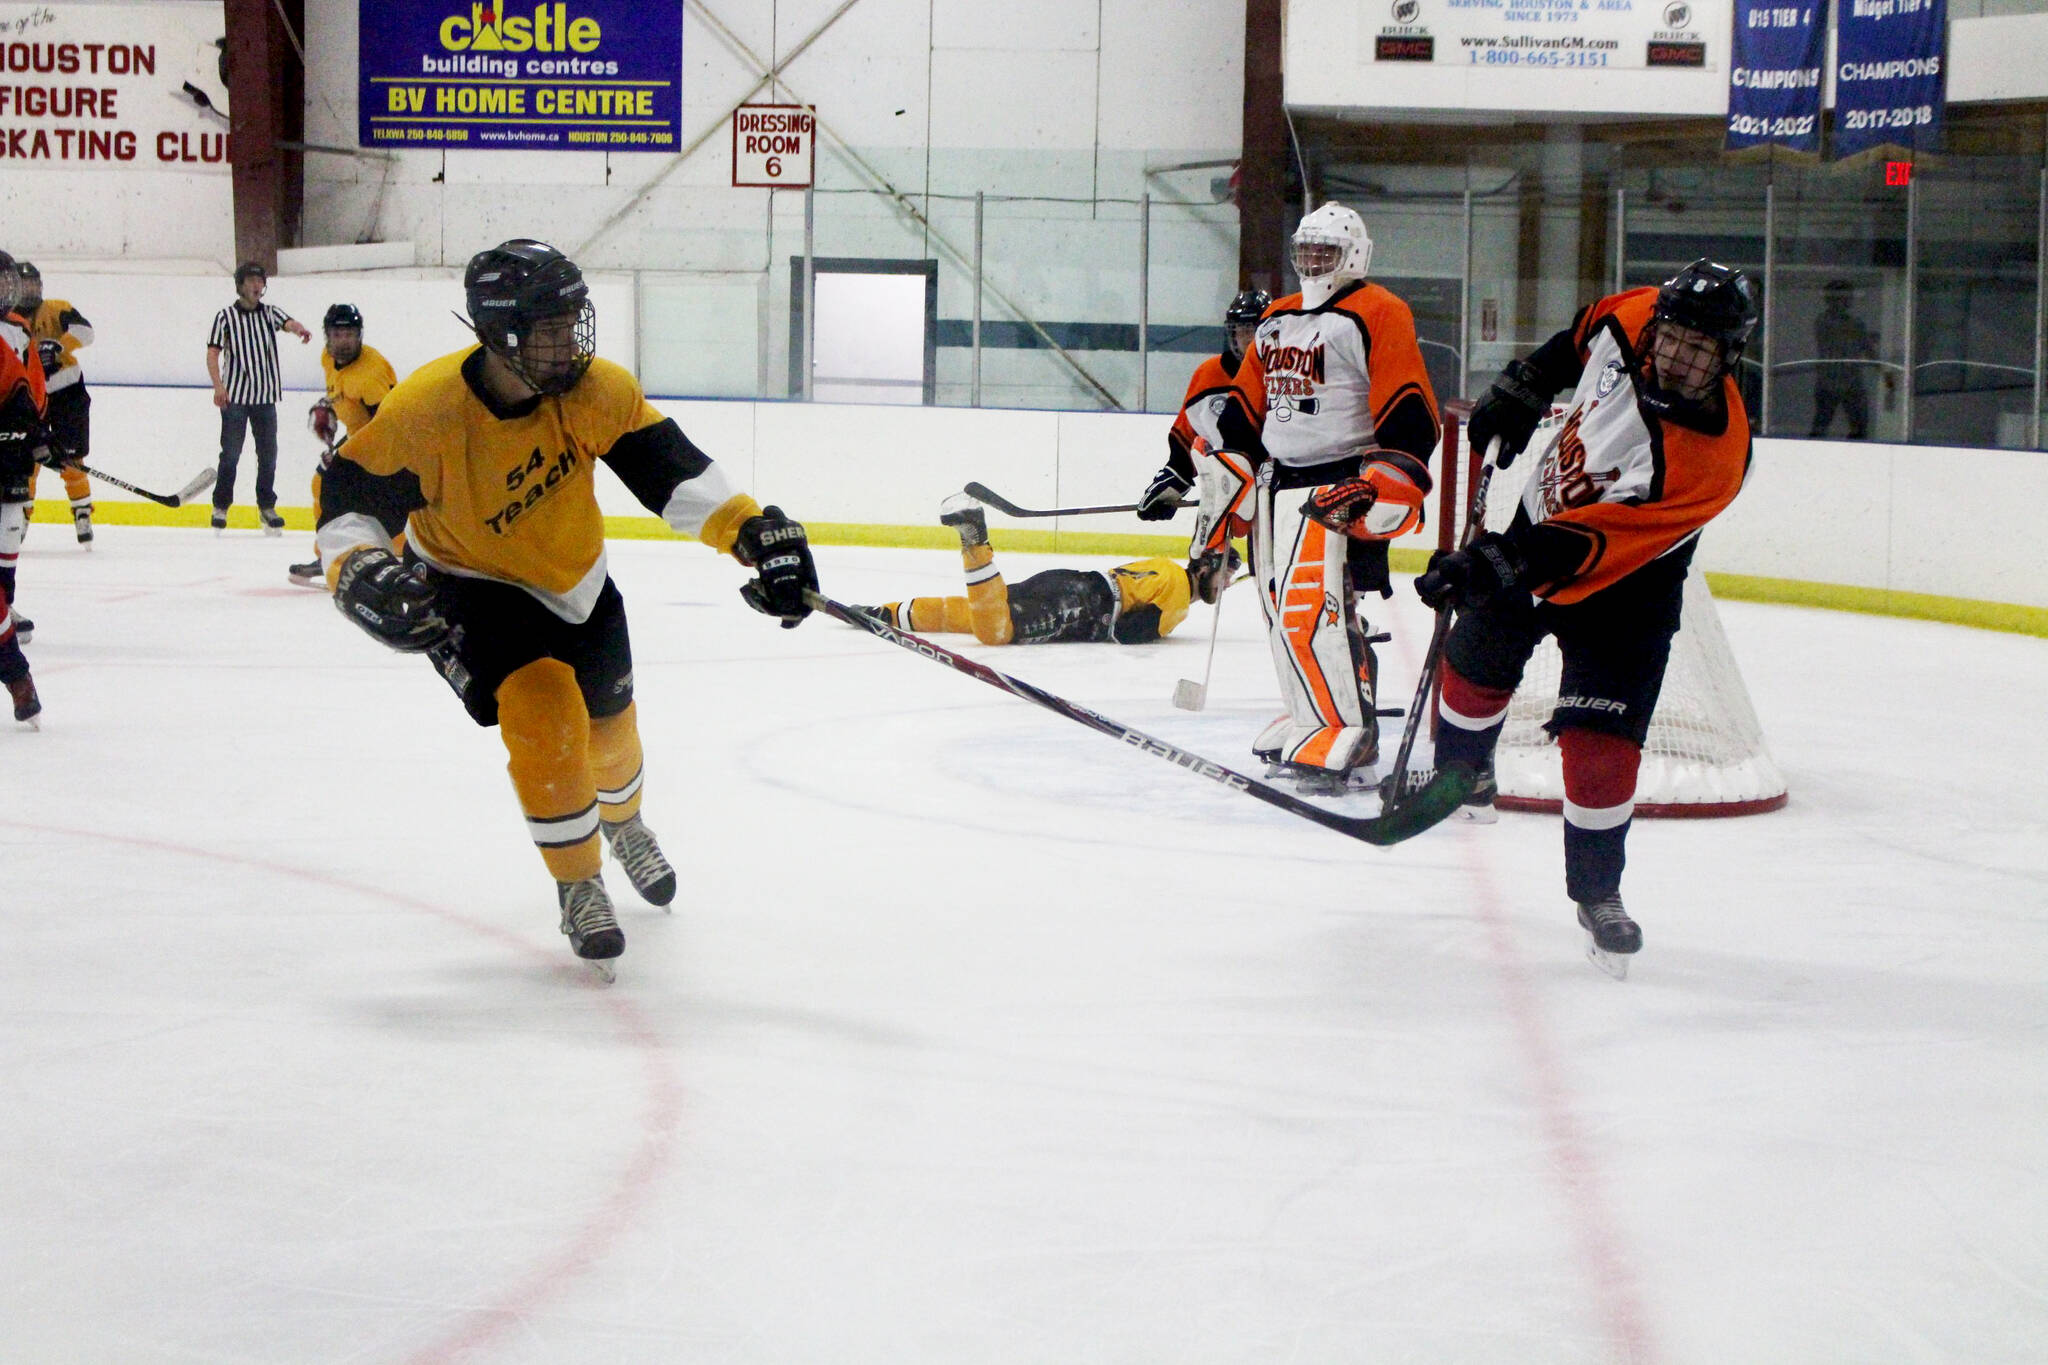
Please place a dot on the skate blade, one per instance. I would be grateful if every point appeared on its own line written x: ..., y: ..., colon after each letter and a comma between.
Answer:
x: 1614, y: 964
x: 1477, y: 815
x: 603, y: 969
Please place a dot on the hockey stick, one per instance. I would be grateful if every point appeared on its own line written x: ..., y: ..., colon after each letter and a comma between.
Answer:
x: 201, y: 481
x: 1188, y: 694
x: 981, y: 492
x: 1434, y: 801
x: 1475, y: 516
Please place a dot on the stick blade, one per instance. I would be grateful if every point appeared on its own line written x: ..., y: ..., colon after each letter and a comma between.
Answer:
x: 1429, y: 805
x: 1190, y: 695
x: 201, y: 481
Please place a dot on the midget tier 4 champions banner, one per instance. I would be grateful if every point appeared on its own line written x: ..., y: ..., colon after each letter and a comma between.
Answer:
x: 1774, y: 78
x: 577, y: 75
x: 1889, y: 80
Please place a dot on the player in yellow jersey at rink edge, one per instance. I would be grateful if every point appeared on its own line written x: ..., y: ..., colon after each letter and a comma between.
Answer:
x: 489, y: 457
x: 1132, y: 604
x: 358, y: 377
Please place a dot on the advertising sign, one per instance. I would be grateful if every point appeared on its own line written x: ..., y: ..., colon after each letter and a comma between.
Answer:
x: 1889, y: 83
x: 1774, y: 77
x: 1555, y: 35
x: 503, y: 75
x: 774, y: 146
x: 107, y: 87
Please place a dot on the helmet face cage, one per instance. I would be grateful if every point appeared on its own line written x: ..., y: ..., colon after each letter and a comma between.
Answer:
x: 10, y: 283
x: 1331, y: 243
x: 531, y: 308
x: 1704, y: 316
x: 1241, y: 320
x: 29, y: 292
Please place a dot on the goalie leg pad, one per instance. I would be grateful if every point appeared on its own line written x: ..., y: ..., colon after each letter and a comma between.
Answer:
x: 1226, y: 480
x: 1320, y: 656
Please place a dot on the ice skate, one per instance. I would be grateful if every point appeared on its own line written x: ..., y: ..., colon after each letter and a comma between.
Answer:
x: 592, y: 928
x: 964, y: 515
x: 27, y: 705
x: 273, y: 524
x: 633, y: 845
x: 309, y: 574
x: 1613, y: 936
x: 24, y: 629
x: 81, y: 520
x: 1477, y: 808
x: 220, y: 520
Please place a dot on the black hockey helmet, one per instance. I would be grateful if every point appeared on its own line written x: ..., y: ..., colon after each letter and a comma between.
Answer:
x: 1713, y: 299
x: 10, y: 282
x: 342, y: 315
x: 510, y: 289
x: 27, y: 270
x: 1243, y: 315
x: 248, y: 269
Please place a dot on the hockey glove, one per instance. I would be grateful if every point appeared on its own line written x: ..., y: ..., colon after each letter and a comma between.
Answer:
x: 394, y: 602
x: 1161, y: 498
x: 1473, y: 576
x: 1510, y: 410
x: 1381, y: 502
x: 321, y: 420
x: 779, y: 553
x: 51, y: 354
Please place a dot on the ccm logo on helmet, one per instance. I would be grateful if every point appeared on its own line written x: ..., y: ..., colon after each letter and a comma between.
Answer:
x: 549, y: 30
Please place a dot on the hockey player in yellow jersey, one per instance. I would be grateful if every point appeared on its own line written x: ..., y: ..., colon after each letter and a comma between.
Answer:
x: 490, y: 454
x: 1132, y: 604
x: 58, y: 332
x: 358, y: 378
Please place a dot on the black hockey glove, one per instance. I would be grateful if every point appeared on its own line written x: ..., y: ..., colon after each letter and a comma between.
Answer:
x: 51, y: 354
x: 1510, y: 410
x: 1210, y: 574
x: 393, y: 602
x: 1161, y: 498
x: 1473, y: 576
x: 779, y: 553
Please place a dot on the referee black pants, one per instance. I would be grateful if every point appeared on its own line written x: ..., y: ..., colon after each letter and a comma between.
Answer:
x: 236, y: 419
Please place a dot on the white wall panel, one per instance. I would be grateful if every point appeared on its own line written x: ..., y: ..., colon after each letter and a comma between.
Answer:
x: 1044, y: 26
x: 989, y: 98
x: 1171, y: 83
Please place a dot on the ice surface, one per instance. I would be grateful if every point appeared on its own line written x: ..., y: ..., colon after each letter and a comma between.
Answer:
x: 977, y: 1037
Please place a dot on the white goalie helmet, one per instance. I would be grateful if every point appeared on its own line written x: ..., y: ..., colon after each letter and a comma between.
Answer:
x: 1331, y: 249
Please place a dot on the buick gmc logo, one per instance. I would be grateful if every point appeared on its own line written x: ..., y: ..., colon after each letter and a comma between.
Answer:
x: 1677, y: 14
x: 1407, y: 11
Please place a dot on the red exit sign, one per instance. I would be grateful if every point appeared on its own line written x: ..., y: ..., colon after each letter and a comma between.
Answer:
x: 1898, y: 172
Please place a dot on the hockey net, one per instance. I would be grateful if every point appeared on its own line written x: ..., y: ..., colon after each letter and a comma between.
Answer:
x: 1705, y: 755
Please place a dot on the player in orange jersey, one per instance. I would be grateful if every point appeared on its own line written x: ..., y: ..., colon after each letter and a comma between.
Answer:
x: 1655, y: 444
x: 1208, y: 390
x: 24, y: 442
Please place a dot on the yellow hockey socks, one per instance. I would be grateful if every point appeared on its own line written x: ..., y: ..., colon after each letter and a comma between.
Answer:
x: 547, y: 733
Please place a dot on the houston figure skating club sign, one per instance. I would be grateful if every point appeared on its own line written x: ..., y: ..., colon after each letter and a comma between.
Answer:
x: 507, y: 75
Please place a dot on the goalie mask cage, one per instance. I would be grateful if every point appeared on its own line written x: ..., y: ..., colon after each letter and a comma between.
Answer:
x: 1705, y: 755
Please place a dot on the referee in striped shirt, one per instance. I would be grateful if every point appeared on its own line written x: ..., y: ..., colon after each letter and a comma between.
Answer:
x: 241, y: 356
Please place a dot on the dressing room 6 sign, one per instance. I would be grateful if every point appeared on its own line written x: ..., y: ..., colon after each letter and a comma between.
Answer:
x: 580, y: 75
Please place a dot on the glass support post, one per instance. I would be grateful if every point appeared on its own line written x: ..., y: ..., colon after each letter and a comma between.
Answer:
x: 1770, y: 287
x: 810, y: 328
x: 1620, y: 234
x: 1465, y: 298
x: 974, y: 389
x: 1907, y: 383
x: 2040, y: 303
x: 1144, y: 297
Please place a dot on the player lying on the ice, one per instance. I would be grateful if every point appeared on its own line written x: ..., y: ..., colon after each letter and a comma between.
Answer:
x: 1131, y: 604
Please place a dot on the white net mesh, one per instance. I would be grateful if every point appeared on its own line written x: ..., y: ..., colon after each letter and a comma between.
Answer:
x: 1705, y: 754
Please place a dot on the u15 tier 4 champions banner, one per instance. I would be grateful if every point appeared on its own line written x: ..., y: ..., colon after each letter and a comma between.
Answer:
x: 1890, y: 82
x: 1565, y: 36
x: 503, y: 75
x: 104, y: 87
x: 1774, y: 78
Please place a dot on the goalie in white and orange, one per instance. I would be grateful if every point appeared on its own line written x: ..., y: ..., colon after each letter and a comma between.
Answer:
x: 1655, y: 444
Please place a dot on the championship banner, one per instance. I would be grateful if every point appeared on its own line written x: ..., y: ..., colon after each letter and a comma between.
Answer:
x: 1566, y: 36
x: 500, y: 75
x: 1889, y: 84
x: 1774, y: 76
x: 108, y: 87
